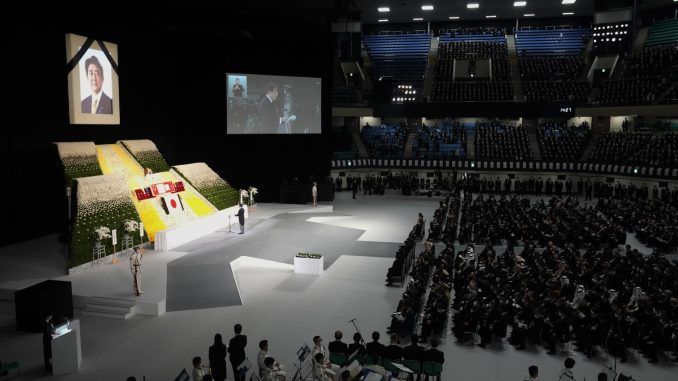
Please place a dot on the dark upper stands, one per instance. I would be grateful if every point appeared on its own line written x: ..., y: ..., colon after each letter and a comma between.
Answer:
x: 646, y: 76
x: 498, y: 141
x: 402, y: 57
x: 446, y: 142
x: 551, y: 68
x: 550, y: 65
x: 468, y: 46
x: 494, y: 50
x: 463, y: 34
x: 556, y: 91
x: 551, y: 41
x: 385, y: 140
x: 663, y: 32
x: 560, y: 142
x: 472, y: 91
x: 629, y: 91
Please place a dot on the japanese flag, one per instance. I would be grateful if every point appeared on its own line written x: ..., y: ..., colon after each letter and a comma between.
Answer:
x: 172, y: 203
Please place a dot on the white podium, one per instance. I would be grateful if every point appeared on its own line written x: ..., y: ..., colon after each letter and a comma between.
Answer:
x: 66, y: 351
x: 310, y: 266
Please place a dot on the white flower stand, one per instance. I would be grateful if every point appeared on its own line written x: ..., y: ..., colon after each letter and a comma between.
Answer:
x: 127, y: 242
x: 98, y: 252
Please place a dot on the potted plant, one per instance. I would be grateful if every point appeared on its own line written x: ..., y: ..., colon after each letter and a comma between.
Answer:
x: 243, y: 194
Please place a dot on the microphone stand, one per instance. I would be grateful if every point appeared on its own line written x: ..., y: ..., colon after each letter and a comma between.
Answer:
x: 356, y: 326
x: 229, y: 223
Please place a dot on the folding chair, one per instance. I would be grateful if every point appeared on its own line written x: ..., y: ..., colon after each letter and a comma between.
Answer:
x: 433, y: 369
x: 337, y: 358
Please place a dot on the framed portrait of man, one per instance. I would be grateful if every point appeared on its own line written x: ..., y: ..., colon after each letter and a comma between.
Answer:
x: 93, y: 93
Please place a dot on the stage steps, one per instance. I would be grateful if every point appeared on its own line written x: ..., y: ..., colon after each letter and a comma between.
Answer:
x: 110, y: 308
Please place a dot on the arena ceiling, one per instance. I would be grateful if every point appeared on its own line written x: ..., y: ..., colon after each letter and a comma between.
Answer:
x: 402, y: 11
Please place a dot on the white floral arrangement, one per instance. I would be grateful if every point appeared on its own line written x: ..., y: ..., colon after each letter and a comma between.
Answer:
x: 100, y: 193
x: 146, y: 153
x: 76, y: 149
x: 131, y: 226
x: 138, y: 146
x: 244, y: 194
x: 102, y: 232
x: 253, y: 192
x: 200, y: 175
x: 79, y: 159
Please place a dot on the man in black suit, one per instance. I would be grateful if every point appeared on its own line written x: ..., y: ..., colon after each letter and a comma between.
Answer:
x: 356, y: 348
x: 375, y: 348
x: 236, y: 350
x: 433, y: 354
x: 394, y: 352
x: 338, y: 346
x: 269, y: 116
x: 241, y: 219
x: 237, y: 89
x: 98, y: 102
x: 414, y: 351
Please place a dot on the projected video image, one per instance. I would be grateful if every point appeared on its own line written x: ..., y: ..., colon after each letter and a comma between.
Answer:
x: 265, y: 104
x: 92, y: 81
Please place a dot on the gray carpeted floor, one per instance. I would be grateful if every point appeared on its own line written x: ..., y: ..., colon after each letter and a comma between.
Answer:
x: 204, y: 279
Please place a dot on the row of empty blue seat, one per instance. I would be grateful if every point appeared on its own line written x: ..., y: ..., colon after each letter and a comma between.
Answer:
x: 402, y: 57
x: 551, y: 41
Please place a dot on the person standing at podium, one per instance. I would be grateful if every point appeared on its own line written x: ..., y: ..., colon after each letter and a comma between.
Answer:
x: 47, y: 335
x: 241, y: 219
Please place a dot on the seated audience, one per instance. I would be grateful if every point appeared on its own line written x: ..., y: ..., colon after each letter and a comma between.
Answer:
x: 338, y: 346
x: 534, y: 373
x: 446, y: 142
x: 498, y: 141
x: 559, y: 142
x: 375, y: 348
x: 433, y: 354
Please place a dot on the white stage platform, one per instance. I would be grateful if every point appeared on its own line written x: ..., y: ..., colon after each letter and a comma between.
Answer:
x: 176, y: 236
x: 114, y: 280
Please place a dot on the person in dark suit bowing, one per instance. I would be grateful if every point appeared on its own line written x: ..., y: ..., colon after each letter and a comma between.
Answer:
x: 236, y: 350
x: 269, y: 115
x: 98, y: 102
x: 217, y: 356
x: 241, y: 219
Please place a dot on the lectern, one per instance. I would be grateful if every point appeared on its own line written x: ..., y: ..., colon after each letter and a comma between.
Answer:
x: 66, y: 352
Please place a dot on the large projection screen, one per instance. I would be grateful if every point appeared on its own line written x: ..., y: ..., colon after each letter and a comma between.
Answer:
x: 269, y: 104
x: 93, y: 96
